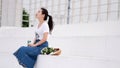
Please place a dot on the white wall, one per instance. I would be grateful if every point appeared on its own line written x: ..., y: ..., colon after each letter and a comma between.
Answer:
x: 11, y: 13
x: 18, y: 17
x: 82, y: 11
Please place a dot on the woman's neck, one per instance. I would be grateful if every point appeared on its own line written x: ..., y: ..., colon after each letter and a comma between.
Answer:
x: 41, y: 21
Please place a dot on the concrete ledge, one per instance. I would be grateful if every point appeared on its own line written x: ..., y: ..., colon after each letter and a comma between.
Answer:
x: 90, y: 45
x: 47, y: 61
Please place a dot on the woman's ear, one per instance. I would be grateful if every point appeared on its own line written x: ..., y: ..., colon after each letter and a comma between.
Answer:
x: 43, y: 15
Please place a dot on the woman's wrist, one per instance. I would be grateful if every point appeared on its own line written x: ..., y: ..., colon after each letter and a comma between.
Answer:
x: 35, y: 44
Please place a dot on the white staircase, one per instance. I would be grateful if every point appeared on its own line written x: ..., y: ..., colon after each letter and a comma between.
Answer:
x: 95, y: 45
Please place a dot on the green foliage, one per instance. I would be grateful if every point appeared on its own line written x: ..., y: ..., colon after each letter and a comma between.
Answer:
x: 47, y: 50
x: 25, y: 18
x: 24, y: 12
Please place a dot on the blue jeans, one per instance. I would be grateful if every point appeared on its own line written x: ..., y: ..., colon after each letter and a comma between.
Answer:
x: 27, y: 55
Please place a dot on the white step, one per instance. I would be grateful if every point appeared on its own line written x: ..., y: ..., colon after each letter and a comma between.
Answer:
x: 45, y: 61
x: 83, y: 46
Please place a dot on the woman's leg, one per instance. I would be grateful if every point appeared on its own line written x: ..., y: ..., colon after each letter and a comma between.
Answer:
x: 27, y: 56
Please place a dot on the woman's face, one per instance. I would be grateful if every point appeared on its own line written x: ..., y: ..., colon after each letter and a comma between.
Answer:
x: 39, y: 14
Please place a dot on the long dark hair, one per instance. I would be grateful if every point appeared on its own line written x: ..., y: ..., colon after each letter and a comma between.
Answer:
x: 50, y: 21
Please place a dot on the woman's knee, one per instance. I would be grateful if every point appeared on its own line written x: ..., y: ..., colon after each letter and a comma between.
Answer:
x: 22, y: 48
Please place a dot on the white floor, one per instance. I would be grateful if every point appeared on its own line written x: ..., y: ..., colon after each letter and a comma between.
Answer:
x: 8, y: 61
x: 83, y: 46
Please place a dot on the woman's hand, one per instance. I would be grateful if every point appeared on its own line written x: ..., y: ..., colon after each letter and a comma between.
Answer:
x: 32, y: 45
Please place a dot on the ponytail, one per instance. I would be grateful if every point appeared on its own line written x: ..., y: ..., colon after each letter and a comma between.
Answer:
x: 50, y: 23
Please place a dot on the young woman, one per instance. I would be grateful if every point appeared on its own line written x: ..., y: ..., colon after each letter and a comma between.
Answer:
x: 27, y: 56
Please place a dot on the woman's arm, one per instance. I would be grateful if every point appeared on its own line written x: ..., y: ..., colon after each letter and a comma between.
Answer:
x: 32, y: 44
x: 45, y: 36
x: 34, y: 40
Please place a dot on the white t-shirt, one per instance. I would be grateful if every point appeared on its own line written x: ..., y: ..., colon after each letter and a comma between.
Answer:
x: 41, y: 30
